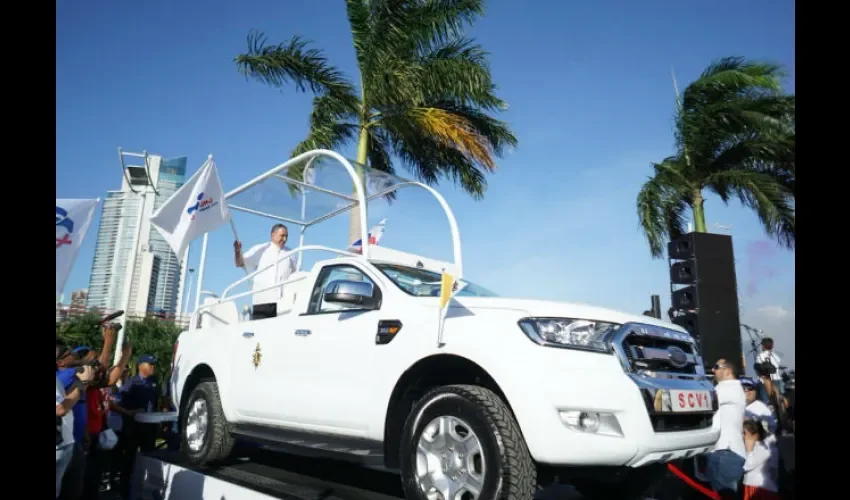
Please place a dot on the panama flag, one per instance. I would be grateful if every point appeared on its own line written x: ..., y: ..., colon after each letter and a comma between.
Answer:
x: 198, y: 207
x: 73, y: 218
x: 375, y: 235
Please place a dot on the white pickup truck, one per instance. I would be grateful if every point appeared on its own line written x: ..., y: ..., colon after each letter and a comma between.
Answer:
x: 506, y: 395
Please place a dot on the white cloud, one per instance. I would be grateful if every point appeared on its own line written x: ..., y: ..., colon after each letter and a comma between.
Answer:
x: 775, y: 312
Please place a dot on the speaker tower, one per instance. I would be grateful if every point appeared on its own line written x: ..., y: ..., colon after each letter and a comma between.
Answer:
x: 704, y: 294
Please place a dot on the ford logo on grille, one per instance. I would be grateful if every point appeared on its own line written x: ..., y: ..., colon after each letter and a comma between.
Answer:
x: 678, y: 357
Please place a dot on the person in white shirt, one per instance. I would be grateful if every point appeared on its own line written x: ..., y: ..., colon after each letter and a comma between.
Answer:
x: 761, y: 467
x: 725, y: 464
x: 768, y: 357
x: 267, y: 257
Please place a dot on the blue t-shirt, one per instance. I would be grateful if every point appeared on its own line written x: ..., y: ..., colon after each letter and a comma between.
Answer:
x: 67, y: 376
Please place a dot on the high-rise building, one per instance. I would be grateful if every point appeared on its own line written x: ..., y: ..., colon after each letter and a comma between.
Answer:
x: 78, y: 301
x: 126, y: 237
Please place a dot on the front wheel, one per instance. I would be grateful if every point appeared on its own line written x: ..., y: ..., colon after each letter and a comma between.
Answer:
x: 204, y: 431
x: 461, y: 442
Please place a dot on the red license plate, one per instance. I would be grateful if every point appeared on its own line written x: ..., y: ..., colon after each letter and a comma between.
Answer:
x: 686, y: 401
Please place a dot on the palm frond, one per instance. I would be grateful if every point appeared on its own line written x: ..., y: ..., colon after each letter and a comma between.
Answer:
x: 380, y: 157
x: 437, y: 21
x: 674, y: 171
x: 496, y: 132
x: 663, y: 201
x: 392, y: 81
x: 456, y: 132
x: 359, y: 18
x: 409, y: 26
x: 661, y: 207
x: 458, y: 71
x: 757, y: 153
x: 430, y: 157
x: 732, y: 76
x: 768, y: 197
x: 767, y: 116
x: 292, y: 62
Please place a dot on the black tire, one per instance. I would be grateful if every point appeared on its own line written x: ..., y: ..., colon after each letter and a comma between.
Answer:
x: 629, y: 484
x: 510, y: 472
x: 218, y: 442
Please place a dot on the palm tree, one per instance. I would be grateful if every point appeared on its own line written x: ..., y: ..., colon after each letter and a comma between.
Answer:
x: 425, y: 94
x: 735, y: 136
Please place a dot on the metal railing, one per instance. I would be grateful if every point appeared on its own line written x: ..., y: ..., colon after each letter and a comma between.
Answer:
x: 226, y: 297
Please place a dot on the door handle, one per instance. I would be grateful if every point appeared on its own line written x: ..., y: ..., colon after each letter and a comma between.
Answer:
x: 302, y: 333
x: 247, y: 335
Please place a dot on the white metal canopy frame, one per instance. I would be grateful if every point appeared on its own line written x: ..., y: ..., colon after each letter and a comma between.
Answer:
x: 299, y: 176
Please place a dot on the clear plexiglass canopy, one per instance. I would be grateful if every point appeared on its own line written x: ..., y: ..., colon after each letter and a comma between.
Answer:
x: 311, y: 190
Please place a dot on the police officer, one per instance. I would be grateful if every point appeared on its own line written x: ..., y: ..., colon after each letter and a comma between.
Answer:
x: 139, y: 394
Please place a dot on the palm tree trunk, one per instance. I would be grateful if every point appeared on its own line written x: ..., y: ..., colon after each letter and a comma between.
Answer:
x: 698, y: 208
x: 362, y: 157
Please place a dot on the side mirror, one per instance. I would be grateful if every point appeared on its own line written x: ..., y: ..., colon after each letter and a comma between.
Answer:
x: 353, y: 293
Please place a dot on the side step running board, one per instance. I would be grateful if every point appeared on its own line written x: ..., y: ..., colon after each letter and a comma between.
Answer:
x: 362, y: 451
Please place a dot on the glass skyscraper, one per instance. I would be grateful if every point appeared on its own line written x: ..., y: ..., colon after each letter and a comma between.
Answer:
x: 125, y: 235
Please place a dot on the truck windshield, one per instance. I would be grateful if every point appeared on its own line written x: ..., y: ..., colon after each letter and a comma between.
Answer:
x: 423, y: 283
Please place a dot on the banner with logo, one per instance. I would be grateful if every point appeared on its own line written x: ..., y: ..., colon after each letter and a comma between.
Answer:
x: 198, y: 207
x: 73, y: 218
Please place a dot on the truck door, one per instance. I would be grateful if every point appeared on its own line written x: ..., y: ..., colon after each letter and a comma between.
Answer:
x: 332, y: 353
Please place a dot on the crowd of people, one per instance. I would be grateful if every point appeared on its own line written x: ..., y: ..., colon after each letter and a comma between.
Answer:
x: 752, y: 416
x: 97, y: 434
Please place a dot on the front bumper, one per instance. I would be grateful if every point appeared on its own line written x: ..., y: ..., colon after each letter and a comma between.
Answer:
x: 630, y: 432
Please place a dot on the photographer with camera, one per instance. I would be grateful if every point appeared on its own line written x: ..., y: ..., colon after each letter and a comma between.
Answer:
x: 69, y: 364
x: 101, y: 439
x: 67, y: 398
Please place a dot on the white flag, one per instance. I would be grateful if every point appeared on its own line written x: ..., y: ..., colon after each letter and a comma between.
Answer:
x: 73, y: 218
x: 198, y: 207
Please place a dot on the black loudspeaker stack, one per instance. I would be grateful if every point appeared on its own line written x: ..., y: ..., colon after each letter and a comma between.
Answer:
x: 704, y: 294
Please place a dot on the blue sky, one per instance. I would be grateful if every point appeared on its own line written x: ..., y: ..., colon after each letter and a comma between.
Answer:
x: 591, y: 102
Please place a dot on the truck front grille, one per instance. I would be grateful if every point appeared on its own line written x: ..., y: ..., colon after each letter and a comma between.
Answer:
x: 679, y: 423
x: 653, y: 354
x: 658, y: 352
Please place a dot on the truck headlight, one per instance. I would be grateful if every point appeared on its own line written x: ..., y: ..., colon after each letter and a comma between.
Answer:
x: 569, y: 333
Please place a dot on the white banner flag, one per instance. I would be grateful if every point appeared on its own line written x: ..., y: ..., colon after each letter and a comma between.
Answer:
x: 198, y: 207
x: 73, y: 218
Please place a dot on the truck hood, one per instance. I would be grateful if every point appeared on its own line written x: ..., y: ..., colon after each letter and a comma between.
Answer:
x: 545, y: 308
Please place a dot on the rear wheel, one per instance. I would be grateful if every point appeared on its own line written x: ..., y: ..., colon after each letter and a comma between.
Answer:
x: 461, y: 442
x: 205, y: 436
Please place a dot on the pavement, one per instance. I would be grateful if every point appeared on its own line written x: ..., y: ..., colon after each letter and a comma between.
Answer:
x: 292, y: 477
